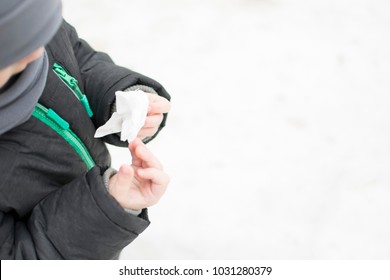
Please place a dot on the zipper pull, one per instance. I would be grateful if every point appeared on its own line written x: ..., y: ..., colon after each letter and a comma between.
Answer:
x: 73, y: 84
x: 69, y: 80
x: 59, y: 70
x: 56, y: 118
x: 84, y: 101
x: 82, y: 97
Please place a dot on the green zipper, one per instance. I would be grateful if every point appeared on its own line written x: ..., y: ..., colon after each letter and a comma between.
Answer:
x: 73, y: 85
x: 59, y: 125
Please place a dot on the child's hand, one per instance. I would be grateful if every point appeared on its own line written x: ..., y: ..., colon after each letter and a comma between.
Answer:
x: 141, y: 184
x: 157, y: 107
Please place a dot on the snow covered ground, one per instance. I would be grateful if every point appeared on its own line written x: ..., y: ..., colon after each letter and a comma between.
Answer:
x: 278, y: 142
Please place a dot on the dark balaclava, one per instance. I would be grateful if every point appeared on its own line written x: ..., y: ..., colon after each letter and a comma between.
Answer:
x: 25, y: 25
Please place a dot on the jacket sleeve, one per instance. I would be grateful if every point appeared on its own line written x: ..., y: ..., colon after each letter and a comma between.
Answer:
x: 102, y: 78
x: 77, y: 221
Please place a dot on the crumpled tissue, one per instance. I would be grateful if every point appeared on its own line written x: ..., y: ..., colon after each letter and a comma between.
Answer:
x: 130, y: 115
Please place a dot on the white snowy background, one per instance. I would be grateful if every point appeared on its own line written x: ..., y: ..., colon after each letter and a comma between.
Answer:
x: 278, y: 142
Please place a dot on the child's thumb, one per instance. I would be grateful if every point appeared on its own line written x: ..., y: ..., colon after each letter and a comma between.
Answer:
x: 125, y: 175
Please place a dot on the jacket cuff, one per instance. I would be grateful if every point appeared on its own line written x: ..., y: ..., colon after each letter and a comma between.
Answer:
x: 82, y: 221
x: 115, y: 212
x: 141, y: 87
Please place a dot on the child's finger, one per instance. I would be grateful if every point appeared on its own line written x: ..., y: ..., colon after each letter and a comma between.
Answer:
x: 146, y: 132
x: 142, y: 156
x: 157, y: 176
x: 153, y: 120
x: 159, y: 105
x: 149, y: 160
x: 124, y: 175
x: 132, y: 146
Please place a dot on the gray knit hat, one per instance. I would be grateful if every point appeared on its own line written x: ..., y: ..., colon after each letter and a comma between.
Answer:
x: 26, y: 25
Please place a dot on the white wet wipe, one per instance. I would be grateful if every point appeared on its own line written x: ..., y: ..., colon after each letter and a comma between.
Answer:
x: 130, y: 115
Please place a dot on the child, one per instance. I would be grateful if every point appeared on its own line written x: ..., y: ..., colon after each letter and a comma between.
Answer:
x: 59, y: 198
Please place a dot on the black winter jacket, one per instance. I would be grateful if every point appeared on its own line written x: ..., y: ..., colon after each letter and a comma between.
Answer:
x: 51, y: 206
